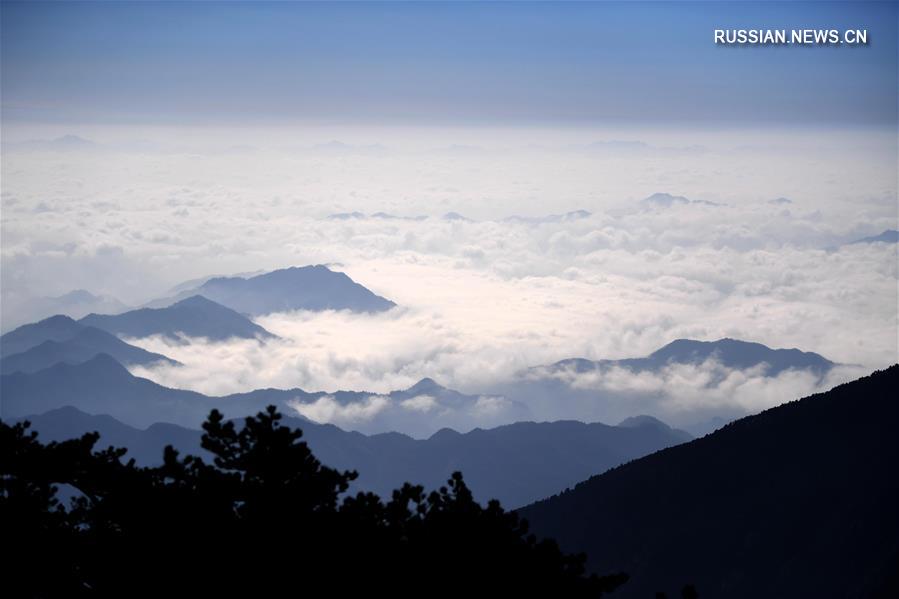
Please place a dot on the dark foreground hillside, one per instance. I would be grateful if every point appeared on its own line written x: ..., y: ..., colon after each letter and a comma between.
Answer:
x: 516, y: 463
x: 798, y: 501
x: 264, y: 519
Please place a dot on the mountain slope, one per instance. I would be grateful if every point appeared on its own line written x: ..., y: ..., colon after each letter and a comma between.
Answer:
x: 721, y: 372
x: 103, y: 386
x: 888, y: 236
x: 195, y: 316
x: 516, y: 463
x: 798, y: 501
x: 297, y: 288
x: 55, y: 328
x: 81, y: 347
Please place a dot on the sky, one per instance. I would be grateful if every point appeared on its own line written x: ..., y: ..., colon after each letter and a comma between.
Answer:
x: 458, y: 63
x: 213, y: 139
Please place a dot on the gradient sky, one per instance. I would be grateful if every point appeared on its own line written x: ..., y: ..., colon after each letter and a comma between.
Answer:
x: 442, y: 63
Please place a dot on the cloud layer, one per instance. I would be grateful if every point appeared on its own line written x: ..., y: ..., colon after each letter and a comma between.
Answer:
x: 482, y: 297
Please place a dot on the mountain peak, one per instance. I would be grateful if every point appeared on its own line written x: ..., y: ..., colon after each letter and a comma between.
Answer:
x: 196, y: 301
x: 194, y: 316
x: 642, y: 420
x: 425, y: 385
x: 735, y: 353
x: 314, y: 287
x: 665, y: 199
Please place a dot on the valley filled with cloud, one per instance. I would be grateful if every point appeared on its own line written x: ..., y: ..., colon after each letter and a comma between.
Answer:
x: 503, y: 250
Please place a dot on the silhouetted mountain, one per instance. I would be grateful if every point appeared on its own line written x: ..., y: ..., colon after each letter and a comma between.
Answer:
x: 76, y: 304
x: 81, y: 347
x: 346, y: 216
x: 262, y: 508
x: 66, y: 143
x: 297, y: 288
x: 420, y: 410
x: 144, y: 445
x: 455, y: 216
x: 648, y: 421
x: 100, y: 385
x: 730, y: 353
x: 103, y: 386
x: 666, y: 200
x: 612, y: 390
x: 195, y: 316
x: 549, y: 218
x: 798, y: 501
x: 516, y: 463
x: 888, y: 236
x: 55, y: 328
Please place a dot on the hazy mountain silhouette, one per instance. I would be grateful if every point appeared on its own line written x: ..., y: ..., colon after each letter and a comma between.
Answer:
x: 516, y: 463
x: 144, y: 445
x: 612, y: 390
x: 296, y: 288
x: 76, y: 304
x: 730, y: 353
x: 798, y: 501
x: 103, y: 386
x: 55, y: 328
x: 66, y: 143
x: 81, y: 347
x: 666, y: 200
x: 549, y: 218
x: 888, y: 236
x: 649, y: 421
x: 196, y: 316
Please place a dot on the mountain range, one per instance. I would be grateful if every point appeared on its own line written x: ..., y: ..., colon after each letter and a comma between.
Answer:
x: 85, y: 343
x: 195, y: 316
x: 730, y: 353
x: 297, y: 288
x: 59, y: 362
x: 611, y: 390
x: 516, y: 463
x: 76, y: 304
x: 666, y: 200
x: 888, y: 236
x: 797, y: 501
x: 102, y: 385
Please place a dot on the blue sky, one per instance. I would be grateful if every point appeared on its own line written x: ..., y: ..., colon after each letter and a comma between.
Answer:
x: 442, y: 63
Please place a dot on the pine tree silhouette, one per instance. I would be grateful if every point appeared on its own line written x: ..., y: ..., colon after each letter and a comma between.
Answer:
x: 264, y: 518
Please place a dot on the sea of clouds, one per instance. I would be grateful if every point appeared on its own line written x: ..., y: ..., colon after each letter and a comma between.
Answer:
x: 759, y: 253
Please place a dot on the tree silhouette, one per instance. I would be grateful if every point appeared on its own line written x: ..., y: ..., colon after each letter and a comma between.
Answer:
x: 264, y: 518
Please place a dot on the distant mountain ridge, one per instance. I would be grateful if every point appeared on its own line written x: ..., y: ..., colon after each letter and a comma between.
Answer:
x: 888, y: 236
x: 34, y: 347
x: 731, y: 353
x: 296, y: 288
x: 75, y: 304
x: 666, y: 200
x: 195, y: 316
x: 102, y: 385
x: 515, y: 463
x: 84, y: 345
x: 797, y: 501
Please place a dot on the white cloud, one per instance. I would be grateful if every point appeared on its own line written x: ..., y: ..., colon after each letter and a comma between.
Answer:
x: 420, y: 403
x: 481, y: 299
x: 327, y: 409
